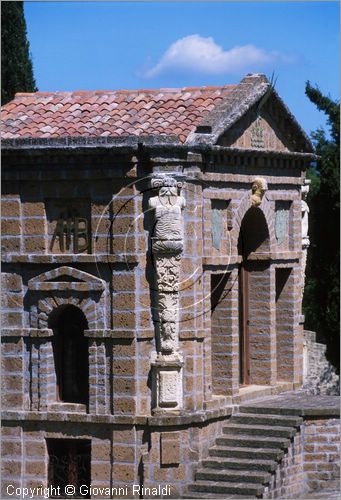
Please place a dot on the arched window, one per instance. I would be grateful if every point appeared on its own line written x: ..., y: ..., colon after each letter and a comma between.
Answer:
x: 70, y: 349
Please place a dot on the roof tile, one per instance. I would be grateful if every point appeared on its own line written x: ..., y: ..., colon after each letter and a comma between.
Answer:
x: 115, y: 113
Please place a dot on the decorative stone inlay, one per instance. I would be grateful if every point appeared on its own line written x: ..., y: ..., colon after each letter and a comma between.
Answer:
x: 257, y: 134
x: 259, y: 187
x: 167, y: 247
x: 282, y: 208
x: 69, y: 225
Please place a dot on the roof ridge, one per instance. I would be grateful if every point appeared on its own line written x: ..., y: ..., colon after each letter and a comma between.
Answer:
x: 164, y: 90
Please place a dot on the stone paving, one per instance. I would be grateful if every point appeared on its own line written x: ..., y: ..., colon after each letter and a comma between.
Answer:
x: 300, y: 403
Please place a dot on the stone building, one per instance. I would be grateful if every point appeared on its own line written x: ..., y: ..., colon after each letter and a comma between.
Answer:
x: 152, y: 276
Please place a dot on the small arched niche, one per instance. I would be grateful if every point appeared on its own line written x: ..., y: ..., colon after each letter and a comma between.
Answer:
x: 70, y: 349
x: 254, y: 233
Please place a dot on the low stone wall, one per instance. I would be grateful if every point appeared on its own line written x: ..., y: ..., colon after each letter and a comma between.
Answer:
x: 319, y: 375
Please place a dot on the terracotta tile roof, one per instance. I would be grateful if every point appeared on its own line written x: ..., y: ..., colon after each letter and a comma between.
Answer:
x: 110, y: 113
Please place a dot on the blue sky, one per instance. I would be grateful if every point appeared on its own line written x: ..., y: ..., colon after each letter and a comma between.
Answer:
x: 129, y: 45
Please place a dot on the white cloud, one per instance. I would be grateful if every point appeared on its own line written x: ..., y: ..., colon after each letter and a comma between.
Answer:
x: 195, y: 53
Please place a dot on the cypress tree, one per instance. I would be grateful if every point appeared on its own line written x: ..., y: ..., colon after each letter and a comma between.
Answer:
x: 322, y: 291
x: 16, y: 64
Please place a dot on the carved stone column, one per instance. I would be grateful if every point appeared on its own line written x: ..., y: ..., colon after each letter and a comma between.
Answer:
x: 167, y: 247
x: 305, y: 228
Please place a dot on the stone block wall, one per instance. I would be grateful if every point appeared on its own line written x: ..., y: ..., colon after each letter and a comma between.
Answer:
x: 319, y: 374
x: 322, y: 453
x: 224, y: 332
x: 261, y: 323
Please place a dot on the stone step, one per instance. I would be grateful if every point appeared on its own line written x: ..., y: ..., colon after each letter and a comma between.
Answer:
x: 240, y: 464
x: 234, y: 488
x: 236, y: 476
x: 198, y: 494
x: 250, y: 453
x: 253, y: 441
x: 260, y: 430
x: 270, y: 411
x: 255, y: 419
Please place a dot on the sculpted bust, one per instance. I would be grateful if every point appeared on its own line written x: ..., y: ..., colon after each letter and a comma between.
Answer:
x: 259, y: 187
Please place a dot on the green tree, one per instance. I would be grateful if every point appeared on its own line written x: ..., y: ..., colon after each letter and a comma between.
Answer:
x: 322, y: 291
x: 16, y: 64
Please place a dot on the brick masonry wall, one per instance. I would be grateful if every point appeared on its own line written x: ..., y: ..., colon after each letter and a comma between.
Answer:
x: 174, y: 454
x: 224, y: 333
x: 322, y: 453
x: 261, y: 323
x: 285, y: 323
x: 25, y: 455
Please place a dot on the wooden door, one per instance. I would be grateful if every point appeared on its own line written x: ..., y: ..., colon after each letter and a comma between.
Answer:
x: 244, y: 350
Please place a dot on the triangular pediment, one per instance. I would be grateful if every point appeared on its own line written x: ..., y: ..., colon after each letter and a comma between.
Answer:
x: 253, y: 116
x: 266, y: 129
x: 64, y: 277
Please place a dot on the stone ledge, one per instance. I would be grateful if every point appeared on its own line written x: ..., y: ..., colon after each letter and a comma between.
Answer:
x: 152, y: 421
x: 145, y: 335
x: 48, y: 332
x: 64, y: 259
x: 236, y: 259
x: 192, y: 335
x: 66, y: 285
x: 113, y: 334
x: 26, y: 332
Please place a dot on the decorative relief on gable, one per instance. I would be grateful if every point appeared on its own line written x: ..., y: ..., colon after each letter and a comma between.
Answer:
x: 252, y: 132
x: 257, y: 134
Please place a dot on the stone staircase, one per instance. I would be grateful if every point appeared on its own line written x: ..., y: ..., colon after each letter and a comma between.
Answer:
x: 243, y: 458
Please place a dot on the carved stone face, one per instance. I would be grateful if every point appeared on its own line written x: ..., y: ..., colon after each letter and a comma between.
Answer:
x: 168, y: 191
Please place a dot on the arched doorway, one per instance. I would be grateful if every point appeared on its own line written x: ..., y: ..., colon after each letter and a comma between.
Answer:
x: 253, y: 240
x: 70, y: 349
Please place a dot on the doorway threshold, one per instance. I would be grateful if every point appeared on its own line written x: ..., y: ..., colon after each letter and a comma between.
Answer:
x: 252, y: 392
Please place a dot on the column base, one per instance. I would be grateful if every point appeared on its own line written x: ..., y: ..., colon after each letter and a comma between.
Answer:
x: 167, y: 393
